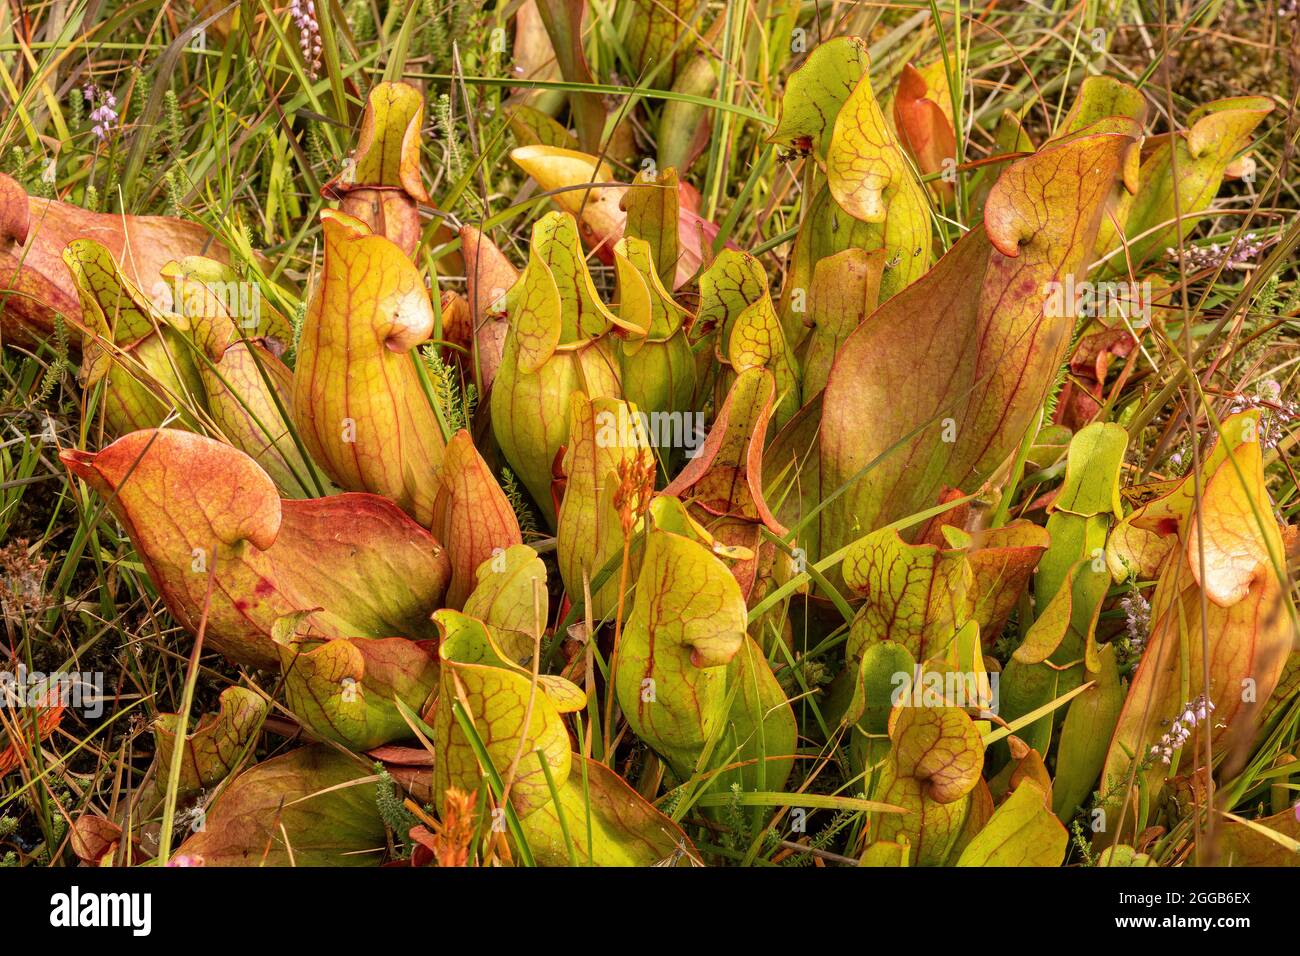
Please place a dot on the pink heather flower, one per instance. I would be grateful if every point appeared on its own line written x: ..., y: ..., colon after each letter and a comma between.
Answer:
x: 104, y: 116
x: 1137, y: 612
x: 1235, y: 256
x: 1193, y: 712
x: 304, y: 17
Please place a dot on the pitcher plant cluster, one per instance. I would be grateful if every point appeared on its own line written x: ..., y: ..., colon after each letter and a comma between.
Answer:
x: 612, y: 542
